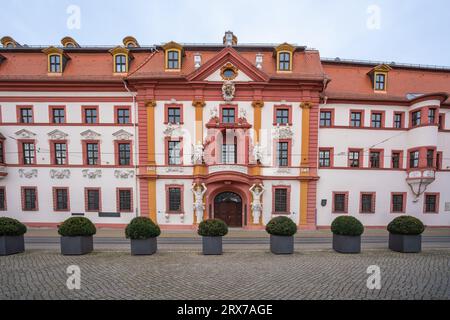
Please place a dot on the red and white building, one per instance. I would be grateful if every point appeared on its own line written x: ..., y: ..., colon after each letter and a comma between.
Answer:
x: 239, y: 132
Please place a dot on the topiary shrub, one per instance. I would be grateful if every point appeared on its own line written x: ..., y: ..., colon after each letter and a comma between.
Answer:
x: 212, y: 228
x: 347, y: 226
x: 406, y: 225
x: 142, y: 228
x: 281, y: 226
x: 77, y: 227
x: 11, y: 227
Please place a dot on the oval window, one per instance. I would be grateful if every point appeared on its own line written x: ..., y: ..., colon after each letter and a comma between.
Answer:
x: 229, y: 73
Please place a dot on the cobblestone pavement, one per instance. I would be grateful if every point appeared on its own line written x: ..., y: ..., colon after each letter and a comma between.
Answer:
x: 41, y: 274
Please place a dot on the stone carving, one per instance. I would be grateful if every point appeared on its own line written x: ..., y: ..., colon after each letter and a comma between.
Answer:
x: 90, y: 135
x: 92, y: 174
x: 283, y: 170
x: 175, y: 169
x: 258, y: 153
x: 283, y: 132
x: 60, y: 174
x: 256, y: 191
x: 213, y: 112
x: 173, y: 130
x: 28, y: 173
x: 122, y: 135
x: 124, y: 174
x: 242, y: 113
x: 197, y: 153
x: 57, y: 135
x: 25, y: 134
x: 199, y: 191
x: 228, y: 90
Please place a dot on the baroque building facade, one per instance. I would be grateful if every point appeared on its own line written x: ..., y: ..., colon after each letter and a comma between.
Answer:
x: 240, y: 132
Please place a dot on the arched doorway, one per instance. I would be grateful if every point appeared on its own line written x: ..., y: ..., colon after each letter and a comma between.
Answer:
x: 228, y: 207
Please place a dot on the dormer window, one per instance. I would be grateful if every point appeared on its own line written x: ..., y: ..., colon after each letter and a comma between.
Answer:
x: 284, y: 53
x: 54, y: 63
x: 69, y: 42
x: 378, y: 76
x: 9, y: 42
x: 173, y: 54
x: 57, y: 60
x: 380, y: 81
x: 120, y: 63
x: 121, y: 60
x: 130, y: 42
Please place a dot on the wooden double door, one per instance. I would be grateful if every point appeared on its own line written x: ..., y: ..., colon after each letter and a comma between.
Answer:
x: 228, y: 207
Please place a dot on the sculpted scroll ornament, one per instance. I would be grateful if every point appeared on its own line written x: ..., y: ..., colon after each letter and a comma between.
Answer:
x: 92, y: 174
x: 28, y: 173
x: 283, y: 132
x: 60, y: 174
x: 57, y: 135
x: 124, y: 174
x: 256, y: 191
x: 90, y: 135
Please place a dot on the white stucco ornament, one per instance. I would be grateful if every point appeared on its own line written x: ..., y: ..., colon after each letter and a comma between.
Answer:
x: 258, y: 152
x: 28, y: 173
x: 57, y: 135
x: 242, y: 113
x: 122, y: 135
x: 213, y: 112
x: 199, y: 191
x: 60, y: 174
x: 283, y: 132
x: 256, y: 191
x: 197, y: 153
x: 25, y: 134
x: 92, y: 174
x: 90, y: 135
x: 173, y: 130
x: 124, y: 174
x: 228, y: 90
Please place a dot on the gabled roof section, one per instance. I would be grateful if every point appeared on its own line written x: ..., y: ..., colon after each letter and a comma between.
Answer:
x: 380, y: 68
x: 228, y: 55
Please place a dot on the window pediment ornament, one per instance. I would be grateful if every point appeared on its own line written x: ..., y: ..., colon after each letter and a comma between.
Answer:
x: 122, y: 135
x: 25, y: 134
x: 57, y: 135
x: 283, y: 132
x: 90, y: 135
x: 228, y: 91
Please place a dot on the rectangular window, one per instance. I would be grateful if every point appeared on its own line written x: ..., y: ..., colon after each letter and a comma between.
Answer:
x: 229, y: 155
x: 398, y: 120
x: 61, y: 199
x: 414, y: 159
x: 2, y: 152
x: 439, y: 160
x: 325, y: 118
x: 430, y: 158
x: 353, y: 158
x: 415, y: 118
x: 55, y: 63
x: 376, y: 119
x: 282, y: 116
x: 431, y: 116
x: 173, y: 59
x: 355, y: 119
x: 283, y: 154
x: 58, y: 115
x: 340, y: 202
x: 60, y: 151
x: 380, y: 82
x: 124, y: 154
x: 26, y: 115
x: 431, y: 203
x: 29, y: 199
x: 441, y: 121
x: 174, y: 199
x: 228, y: 115
x: 93, y: 200
x: 90, y: 115
x: 2, y: 198
x: 285, y: 61
x: 375, y: 158
x: 325, y: 158
x: 92, y: 153
x: 281, y: 200
x: 174, y: 115
x: 398, y: 203
x: 123, y: 115
x: 125, y: 200
x: 396, y: 160
x: 121, y: 63
x: 367, y: 203
x: 174, y: 152
x: 28, y: 156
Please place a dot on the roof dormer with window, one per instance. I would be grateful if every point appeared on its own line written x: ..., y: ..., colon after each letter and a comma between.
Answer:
x: 379, y: 77
x: 121, y: 60
x: 9, y: 42
x: 130, y: 42
x: 56, y: 60
x: 284, y: 54
x: 173, y: 53
x: 69, y: 42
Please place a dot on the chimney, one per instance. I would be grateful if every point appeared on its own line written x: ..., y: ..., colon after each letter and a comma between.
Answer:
x: 229, y: 39
x: 259, y: 60
x: 197, y: 60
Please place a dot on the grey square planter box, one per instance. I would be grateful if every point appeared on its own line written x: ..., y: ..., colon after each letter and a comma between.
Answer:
x: 11, y: 245
x: 346, y: 244
x: 405, y: 243
x: 76, y: 245
x: 143, y: 247
x: 212, y: 245
x: 281, y: 244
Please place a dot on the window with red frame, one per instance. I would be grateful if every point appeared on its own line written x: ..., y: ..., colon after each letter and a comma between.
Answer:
x: 325, y: 118
x: 354, y: 159
x: 125, y: 200
x: 282, y: 116
x: 431, y: 115
x: 430, y: 158
x: 90, y: 115
x: 92, y: 155
x: 228, y: 115
x: 355, y: 119
x: 340, y: 202
x: 375, y: 159
x: 396, y: 160
x: 58, y: 115
x: 174, y: 152
x: 398, y: 203
x: 174, y: 115
x: 325, y: 158
x: 123, y: 115
x: 367, y: 203
x: 28, y: 153
x: 124, y: 153
x: 26, y: 115
x: 414, y: 159
x: 61, y: 199
x: 281, y: 200
x: 377, y: 118
x: 416, y: 118
x: 2, y: 152
x: 283, y: 154
x: 29, y: 197
x: 398, y: 120
x: 430, y: 203
x: 174, y: 194
x: 60, y: 153
x: 93, y: 200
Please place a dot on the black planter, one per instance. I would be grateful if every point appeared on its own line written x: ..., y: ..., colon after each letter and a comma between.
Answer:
x: 346, y: 244
x: 212, y: 245
x: 143, y: 247
x: 281, y: 244
x: 405, y: 243
x: 76, y: 245
x: 11, y: 245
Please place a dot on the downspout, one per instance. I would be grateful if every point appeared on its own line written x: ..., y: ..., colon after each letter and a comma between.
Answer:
x: 136, y: 147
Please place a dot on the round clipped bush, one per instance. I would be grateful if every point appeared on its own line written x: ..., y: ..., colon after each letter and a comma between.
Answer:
x: 406, y: 225
x: 212, y: 228
x: 347, y: 226
x: 11, y: 227
x: 142, y: 228
x: 77, y: 227
x: 281, y: 226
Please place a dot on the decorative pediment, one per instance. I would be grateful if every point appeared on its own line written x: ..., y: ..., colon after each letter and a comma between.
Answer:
x: 380, y: 68
x: 122, y: 135
x: 211, y: 70
x: 57, y: 135
x: 90, y: 135
x: 25, y: 134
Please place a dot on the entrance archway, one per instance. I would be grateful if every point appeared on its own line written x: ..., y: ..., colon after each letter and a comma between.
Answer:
x: 228, y: 207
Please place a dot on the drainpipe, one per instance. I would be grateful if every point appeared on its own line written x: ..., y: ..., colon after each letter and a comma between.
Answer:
x: 136, y: 147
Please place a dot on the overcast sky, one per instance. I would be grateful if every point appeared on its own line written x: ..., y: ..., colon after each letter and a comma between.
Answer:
x: 410, y: 31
